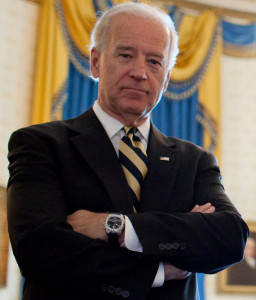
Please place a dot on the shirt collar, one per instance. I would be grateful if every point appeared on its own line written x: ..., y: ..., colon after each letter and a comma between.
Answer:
x: 112, y: 125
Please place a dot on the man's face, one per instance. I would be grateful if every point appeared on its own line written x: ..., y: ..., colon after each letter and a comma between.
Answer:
x: 132, y: 69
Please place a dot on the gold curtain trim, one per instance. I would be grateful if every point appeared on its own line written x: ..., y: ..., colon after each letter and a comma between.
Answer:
x: 239, y: 50
x: 195, y: 37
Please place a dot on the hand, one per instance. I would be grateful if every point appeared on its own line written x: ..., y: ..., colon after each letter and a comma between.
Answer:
x: 170, y: 271
x: 173, y: 273
x: 88, y: 223
x: 205, y: 209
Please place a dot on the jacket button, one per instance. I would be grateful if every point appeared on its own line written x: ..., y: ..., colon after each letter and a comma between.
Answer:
x: 125, y: 294
x: 182, y: 246
x: 168, y: 246
x: 111, y: 289
x: 175, y: 245
x: 161, y: 246
x: 118, y: 291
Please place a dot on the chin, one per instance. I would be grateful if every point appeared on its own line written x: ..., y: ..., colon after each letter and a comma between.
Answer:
x: 133, y: 105
x: 134, y: 111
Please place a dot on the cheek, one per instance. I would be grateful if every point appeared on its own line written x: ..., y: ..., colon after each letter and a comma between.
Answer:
x: 112, y: 76
x: 106, y: 80
x: 159, y: 86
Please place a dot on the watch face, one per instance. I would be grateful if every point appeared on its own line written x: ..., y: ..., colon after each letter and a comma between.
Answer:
x: 114, y: 222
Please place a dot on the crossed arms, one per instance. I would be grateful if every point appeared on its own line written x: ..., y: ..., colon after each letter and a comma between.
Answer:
x: 91, y: 225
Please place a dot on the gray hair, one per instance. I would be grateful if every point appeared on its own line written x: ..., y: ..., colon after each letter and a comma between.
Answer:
x: 99, y: 33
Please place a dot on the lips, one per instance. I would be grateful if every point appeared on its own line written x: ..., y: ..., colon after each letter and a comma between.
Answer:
x: 135, y: 89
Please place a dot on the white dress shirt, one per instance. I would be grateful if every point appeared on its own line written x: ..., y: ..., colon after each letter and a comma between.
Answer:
x: 113, y: 128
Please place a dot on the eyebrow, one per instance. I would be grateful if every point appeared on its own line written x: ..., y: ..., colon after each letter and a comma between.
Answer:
x: 124, y: 47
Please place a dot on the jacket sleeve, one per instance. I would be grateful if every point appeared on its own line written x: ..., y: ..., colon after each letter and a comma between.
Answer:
x: 196, y: 242
x: 49, y: 253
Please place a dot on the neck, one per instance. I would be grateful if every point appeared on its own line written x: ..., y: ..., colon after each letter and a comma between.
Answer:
x: 130, y: 120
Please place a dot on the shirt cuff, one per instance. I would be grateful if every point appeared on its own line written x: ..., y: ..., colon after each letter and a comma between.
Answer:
x: 159, y: 279
x: 132, y: 242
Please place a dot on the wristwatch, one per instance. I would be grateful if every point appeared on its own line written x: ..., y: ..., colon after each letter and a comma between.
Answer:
x: 114, y: 225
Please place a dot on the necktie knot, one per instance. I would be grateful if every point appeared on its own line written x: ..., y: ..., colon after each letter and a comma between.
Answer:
x: 134, y: 141
x: 129, y: 130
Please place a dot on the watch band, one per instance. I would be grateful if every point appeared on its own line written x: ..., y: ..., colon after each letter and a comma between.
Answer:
x: 113, y: 238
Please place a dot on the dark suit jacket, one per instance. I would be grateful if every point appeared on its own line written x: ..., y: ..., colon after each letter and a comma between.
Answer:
x: 59, y: 167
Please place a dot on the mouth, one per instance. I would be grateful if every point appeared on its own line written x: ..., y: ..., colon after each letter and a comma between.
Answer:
x: 135, y: 90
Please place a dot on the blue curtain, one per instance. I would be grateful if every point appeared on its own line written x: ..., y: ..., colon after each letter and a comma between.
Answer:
x: 173, y: 117
x: 177, y: 118
x: 82, y: 92
x: 239, y: 40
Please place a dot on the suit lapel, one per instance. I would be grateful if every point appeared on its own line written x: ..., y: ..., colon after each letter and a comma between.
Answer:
x: 96, y: 148
x: 162, y: 170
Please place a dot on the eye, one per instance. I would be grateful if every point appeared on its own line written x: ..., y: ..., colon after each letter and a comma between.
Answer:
x: 154, y: 62
x: 124, y: 55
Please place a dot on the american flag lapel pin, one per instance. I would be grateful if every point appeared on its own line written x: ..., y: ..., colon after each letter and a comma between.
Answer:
x: 165, y: 158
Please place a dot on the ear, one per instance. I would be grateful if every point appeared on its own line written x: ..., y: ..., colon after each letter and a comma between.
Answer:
x: 94, y: 59
x: 167, y: 80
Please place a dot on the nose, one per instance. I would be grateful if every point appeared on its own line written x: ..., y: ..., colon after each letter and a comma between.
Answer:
x: 138, y: 71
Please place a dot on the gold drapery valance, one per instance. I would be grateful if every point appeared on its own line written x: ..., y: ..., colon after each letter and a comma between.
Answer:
x: 78, y: 18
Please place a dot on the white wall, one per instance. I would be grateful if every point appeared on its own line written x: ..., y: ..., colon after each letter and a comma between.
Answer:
x: 238, y: 146
x: 18, y: 25
x: 239, y: 132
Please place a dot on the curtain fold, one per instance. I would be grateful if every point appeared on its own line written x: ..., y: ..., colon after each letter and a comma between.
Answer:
x: 53, y: 57
x: 82, y: 91
x: 195, y: 37
x: 179, y: 119
x: 51, y: 65
x: 209, y: 110
x: 80, y: 18
x: 196, y: 77
x: 239, y: 39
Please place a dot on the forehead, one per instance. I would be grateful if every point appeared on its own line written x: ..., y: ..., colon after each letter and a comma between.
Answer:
x: 138, y: 31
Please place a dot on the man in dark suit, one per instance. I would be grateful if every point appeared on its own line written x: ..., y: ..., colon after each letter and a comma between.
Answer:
x: 78, y: 227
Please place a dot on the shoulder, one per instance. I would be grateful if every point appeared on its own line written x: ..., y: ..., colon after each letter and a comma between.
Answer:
x: 193, y: 152
x: 57, y: 129
x: 41, y: 132
x: 177, y: 143
x: 186, y: 150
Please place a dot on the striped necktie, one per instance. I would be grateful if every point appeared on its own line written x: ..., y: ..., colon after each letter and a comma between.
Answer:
x: 134, y: 161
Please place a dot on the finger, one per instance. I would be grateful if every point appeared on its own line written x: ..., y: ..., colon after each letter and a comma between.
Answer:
x: 195, y: 208
x: 206, y: 206
x: 70, y: 218
x: 182, y: 275
x: 202, y: 208
x: 210, y: 210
